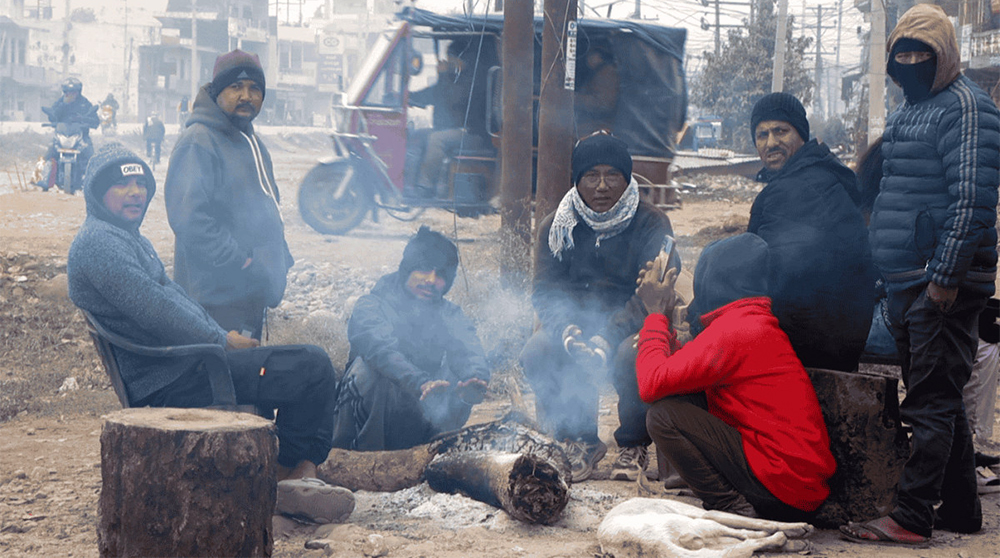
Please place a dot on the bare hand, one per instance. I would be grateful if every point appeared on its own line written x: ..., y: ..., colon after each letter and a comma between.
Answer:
x: 247, y: 263
x: 471, y: 391
x: 942, y: 297
x: 658, y: 296
x: 430, y: 386
x: 236, y: 341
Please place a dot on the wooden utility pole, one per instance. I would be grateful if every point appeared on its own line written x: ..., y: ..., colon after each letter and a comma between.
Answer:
x: 195, y: 70
x: 819, y: 61
x: 835, y: 107
x: 555, y: 115
x: 778, y: 78
x: 876, y: 73
x: 515, y: 146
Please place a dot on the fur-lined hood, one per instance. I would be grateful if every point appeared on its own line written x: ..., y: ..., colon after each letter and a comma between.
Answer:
x: 929, y: 24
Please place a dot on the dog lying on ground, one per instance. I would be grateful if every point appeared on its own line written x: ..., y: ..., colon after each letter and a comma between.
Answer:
x: 669, y: 528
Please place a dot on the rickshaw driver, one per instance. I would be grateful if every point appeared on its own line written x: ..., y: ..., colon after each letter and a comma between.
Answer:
x: 450, y: 96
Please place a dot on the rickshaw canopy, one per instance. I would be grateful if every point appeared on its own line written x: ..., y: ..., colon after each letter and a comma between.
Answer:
x: 652, y: 94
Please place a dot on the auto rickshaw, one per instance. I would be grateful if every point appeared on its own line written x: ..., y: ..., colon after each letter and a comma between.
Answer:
x: 377, y: 149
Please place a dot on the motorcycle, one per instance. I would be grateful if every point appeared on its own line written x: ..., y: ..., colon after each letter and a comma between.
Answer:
x: 66, y: 170
x: 107, y: 115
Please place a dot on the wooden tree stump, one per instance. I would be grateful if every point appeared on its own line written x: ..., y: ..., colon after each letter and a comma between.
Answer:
x: 866, y: 438
x: 186, y: 482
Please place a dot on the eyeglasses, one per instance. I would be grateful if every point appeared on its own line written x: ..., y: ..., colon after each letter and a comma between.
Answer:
x: 613, y: 178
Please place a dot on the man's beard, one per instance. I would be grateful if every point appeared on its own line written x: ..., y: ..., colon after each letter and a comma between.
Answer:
x: 241, y: 121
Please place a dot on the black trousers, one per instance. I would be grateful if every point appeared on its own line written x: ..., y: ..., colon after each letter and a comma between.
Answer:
x: 708, y: 454
x: 298, y: 380
x: 938, y: 349
x: 566, y: 394
x: 246, y: 318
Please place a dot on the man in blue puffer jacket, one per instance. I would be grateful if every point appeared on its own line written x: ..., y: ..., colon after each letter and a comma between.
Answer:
x: 933, y: 239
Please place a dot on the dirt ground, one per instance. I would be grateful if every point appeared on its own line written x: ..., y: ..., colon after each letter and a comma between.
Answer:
x: 53, y: 390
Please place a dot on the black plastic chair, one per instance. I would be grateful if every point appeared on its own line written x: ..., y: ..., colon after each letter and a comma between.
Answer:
x: 212, y: 359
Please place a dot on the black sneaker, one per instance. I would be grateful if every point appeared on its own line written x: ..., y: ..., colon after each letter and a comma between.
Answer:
x: 632, y: 461
x: 583, y: 458
x: 983, y: 460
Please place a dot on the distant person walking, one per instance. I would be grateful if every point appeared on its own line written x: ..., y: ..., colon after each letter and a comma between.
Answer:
x: 153, y: 132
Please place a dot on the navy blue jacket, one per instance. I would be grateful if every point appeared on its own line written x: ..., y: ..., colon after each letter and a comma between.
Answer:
x: 821, y: 281
x: 934, y: 217
x: 411, y: 341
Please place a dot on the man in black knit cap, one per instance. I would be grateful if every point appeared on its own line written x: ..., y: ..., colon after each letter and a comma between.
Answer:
x: 416, y: 366
x: 821, y: 283
x: 222, y: 202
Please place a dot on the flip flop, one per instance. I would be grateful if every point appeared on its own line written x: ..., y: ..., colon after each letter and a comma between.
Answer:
x: 987, y: 481
x: 883, y: 530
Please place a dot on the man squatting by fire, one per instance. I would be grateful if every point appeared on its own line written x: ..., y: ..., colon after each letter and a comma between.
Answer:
x: 732, y: 410
x: 115, y: 275
x: 416, y: 365
x: 590, y: 252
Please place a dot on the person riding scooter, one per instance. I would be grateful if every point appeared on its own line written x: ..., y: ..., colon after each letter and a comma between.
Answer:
x: 75, y: 110
x: 108, y: 113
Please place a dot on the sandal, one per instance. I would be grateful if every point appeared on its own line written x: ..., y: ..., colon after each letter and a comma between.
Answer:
x: 314, y: 501
x: 987, y: 481
x: 883, y: 530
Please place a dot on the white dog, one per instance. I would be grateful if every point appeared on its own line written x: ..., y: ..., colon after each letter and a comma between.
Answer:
x: 669, y: 528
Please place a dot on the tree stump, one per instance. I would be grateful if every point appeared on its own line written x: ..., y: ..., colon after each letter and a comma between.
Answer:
x: 861, y: 412
x: 186, y: 482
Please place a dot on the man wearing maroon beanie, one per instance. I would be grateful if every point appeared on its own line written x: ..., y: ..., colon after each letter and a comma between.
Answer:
x: 222, y: 201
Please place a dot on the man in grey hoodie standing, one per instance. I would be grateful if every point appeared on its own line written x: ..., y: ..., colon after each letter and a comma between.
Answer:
x: 230, y: 253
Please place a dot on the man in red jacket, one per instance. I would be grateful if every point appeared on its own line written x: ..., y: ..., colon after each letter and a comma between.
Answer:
x: 733, y: 410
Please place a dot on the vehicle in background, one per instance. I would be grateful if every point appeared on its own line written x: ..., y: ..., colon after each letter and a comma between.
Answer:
x: 372, y: 136
x: 65, y: 171
x: 108, y: 122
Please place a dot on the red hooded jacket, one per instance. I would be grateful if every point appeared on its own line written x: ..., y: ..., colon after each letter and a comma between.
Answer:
x: 754, y: 382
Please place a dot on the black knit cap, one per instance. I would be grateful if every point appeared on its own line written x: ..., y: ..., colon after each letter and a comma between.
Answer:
x: 234, y: 66
x: 782, y: 107
x: 601, y: 148
x: 430, y: 250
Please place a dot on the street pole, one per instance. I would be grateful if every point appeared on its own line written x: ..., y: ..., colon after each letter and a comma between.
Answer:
x: 819, y: 62
x: 555, y: 114
x: 718, y: 35
x: 195, y: 70
x: 515, y: 144
x: 838, y: 84
x: 778, y: 77
x: 876, y: 73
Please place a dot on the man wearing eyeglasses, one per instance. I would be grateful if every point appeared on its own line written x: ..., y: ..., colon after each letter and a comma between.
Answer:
x: 591, y: 252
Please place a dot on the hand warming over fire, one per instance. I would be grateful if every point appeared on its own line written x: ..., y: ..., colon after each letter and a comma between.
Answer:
x: 471, y: 391
x: 236, y: 341
x: 429, y: 387
x: 657, y: 295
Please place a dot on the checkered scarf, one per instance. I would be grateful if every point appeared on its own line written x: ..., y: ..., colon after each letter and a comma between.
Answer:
x: 608, y: 224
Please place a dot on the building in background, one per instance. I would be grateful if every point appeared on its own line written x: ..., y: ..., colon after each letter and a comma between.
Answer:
x: 23, y: 86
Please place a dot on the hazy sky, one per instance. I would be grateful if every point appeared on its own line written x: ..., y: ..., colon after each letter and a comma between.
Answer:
x: 689, y: 13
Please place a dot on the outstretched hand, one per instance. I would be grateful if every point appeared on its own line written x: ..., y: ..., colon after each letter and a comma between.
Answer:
x: 429, y: 387
x: 471, y: 391
x: 659, y: 297
x: 236, y: 341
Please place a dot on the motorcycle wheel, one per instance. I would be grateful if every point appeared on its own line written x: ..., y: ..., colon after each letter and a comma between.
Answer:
x: 326, y: 213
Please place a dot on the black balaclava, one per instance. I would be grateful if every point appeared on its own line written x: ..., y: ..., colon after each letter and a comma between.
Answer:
x: 915, y: 79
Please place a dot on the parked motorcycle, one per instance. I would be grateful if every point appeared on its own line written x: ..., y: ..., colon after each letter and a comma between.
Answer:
x: 107, y: 115
x: 72, y: 150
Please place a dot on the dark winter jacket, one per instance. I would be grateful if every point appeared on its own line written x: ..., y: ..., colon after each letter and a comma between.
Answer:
x: 80, y: 111
x: 412, y: 341
x: 594, y: 287
x: 745, y: 365
x: 933, y: 219
x: 153, y: 130
x: 821, y: 281
x: 115, y: 274
x: 222, y: 203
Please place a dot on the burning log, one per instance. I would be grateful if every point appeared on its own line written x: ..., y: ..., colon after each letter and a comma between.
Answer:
x: 528, y: 487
